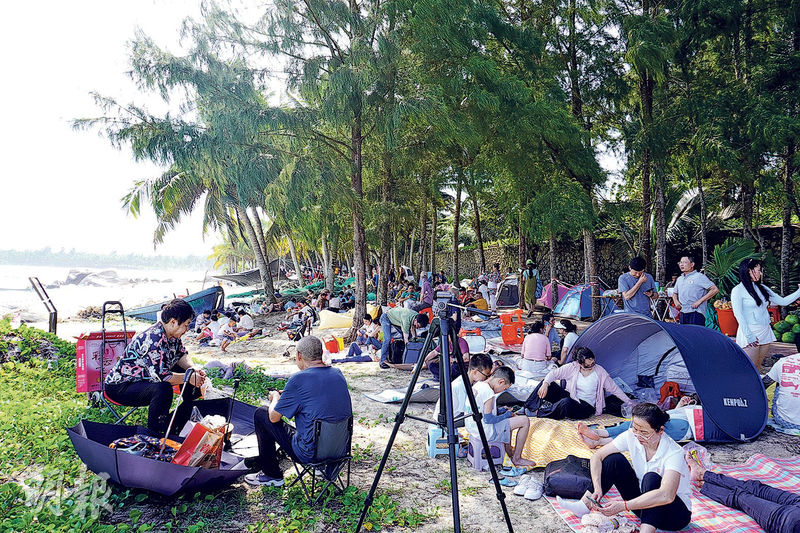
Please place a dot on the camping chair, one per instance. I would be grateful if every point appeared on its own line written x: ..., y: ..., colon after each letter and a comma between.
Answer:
x: 332, y: 442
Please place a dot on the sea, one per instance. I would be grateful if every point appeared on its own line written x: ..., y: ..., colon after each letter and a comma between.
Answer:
x: 132, y: 287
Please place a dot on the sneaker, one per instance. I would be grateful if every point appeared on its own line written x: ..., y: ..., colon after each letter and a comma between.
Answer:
x: 506, y: 482
x: 535, y: 490
x: 384, y: 366
x: 524, y: 482
x: 262, y: 480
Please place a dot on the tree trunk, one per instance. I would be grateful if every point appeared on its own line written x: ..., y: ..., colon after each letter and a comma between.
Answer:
x: 262, y: 241
x: 748, y: 191
x: 477, y: 227
x: 553, y: 282
x: 327, y: 263
x: 410, y: 254
x: 359, y: 238
x: 786, y: 231
x: 395, y: 267
x: 661, y: 230
x: 522, y: 255
x: 383, y: 267
x: 590, y: 265
x: 703, y: 219
x: 423, y: 240
x: 293, y: 253
x: 261, y: 261
x: 434, y: 229
x: 646, y: 85
x: 456, y: 224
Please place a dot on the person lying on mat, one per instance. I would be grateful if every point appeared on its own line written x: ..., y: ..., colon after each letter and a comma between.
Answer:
x: 677, y: 427
x: 775, y: 510
x: 655, y: 487
x: 499, y: 422
x: 585, y: 393
x: 317, y: 392
x: 153, y: 362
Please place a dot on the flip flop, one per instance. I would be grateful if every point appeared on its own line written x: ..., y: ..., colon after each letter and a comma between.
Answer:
x: 507, y: 482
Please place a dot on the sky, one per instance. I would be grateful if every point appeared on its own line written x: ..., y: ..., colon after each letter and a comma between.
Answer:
x: 60, y: 187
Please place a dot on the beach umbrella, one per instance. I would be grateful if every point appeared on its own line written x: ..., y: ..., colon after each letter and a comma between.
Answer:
x: 91, y: 440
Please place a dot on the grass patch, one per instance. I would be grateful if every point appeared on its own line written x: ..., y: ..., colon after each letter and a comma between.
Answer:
x: 45, y: 487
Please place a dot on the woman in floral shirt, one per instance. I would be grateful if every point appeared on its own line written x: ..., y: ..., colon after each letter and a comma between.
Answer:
x: 153, y: 362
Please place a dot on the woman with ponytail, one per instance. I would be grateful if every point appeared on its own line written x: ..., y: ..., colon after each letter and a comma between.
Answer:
x: 750, y: 299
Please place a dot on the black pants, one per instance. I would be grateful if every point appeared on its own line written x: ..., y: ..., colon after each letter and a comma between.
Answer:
x: 158, y: 396
x: 618, y: 471
x: 269, y: 434
x: 563, y: 406
x: 693, y: 318
x: 775, y: 510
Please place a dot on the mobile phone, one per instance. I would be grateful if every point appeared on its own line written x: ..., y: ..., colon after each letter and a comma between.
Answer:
x: 594, y: 502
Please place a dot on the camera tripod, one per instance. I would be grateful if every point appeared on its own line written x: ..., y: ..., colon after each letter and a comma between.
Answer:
x: 445, y: 328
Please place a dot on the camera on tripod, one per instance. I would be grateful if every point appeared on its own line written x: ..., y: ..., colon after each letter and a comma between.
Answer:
x: 441, y: 300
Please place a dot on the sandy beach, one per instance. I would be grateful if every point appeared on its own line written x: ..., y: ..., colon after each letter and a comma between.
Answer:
x: 414, y: 479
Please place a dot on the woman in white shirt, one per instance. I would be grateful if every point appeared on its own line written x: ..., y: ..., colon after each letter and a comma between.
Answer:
x: 655, y: 487
x: 569, y: 331
x: 750, y: 299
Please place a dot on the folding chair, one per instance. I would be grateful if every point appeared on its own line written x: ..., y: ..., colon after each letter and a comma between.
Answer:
x: 332, y: 442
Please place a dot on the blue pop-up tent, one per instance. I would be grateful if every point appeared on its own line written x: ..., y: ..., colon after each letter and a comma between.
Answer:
x: 635, y: 348
x: 577, y: 303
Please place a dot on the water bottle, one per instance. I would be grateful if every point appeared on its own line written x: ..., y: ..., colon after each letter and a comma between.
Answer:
x: 627, y: 410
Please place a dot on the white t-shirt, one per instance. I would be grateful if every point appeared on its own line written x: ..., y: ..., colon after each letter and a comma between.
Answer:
x: 484, y: 290
x: 570, y: 339
x: 246, y: 322
x: 459, y: 399
x: 587, y: 388
x: 668, y: 456
x: 335, y: 302
x: 214, y: 327
x: 224, y: 330
x: 786, y: 372
x: 482, y: 392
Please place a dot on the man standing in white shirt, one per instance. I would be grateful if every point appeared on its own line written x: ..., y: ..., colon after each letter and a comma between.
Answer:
x: 692, y: 292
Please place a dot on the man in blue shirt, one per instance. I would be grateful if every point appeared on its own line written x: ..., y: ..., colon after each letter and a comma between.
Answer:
x: 317, y: 392
x: 636, y: 288
x: 692, y: 290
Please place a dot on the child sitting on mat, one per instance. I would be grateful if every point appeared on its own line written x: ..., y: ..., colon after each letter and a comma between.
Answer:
x: 499, y: 423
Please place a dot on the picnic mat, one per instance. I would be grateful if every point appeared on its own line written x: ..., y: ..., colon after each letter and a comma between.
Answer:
x: 550, y: 440
x: 429, y: 394
x: 497, y: 344
x: 709, y: 516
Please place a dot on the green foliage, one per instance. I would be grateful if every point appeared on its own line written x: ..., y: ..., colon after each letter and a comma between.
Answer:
x: 44, y: 486
x: 254, y: 386
x: 723, y: 268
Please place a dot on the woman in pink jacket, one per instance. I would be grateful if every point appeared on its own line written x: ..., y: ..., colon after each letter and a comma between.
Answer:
x: 584, y: 395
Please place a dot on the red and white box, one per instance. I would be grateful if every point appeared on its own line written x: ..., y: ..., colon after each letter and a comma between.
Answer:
x: 87, y: 374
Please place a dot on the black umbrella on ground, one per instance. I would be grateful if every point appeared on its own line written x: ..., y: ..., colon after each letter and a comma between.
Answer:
x: 91, y: 440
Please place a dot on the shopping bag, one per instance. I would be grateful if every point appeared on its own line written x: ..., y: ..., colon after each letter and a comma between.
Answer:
x: 202, y: 447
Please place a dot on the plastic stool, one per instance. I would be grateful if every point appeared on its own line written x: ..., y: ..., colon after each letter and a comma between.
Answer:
x: 437, y: 442
x: 477, y: 457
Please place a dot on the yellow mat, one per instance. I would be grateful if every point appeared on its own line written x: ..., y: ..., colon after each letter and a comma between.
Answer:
x: 550, y: 440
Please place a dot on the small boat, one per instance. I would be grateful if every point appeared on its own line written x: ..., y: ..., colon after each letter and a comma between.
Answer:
x: 211, y: 298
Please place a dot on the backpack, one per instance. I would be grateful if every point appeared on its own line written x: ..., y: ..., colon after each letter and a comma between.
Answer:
x: 396, y: 349
x: 412, y: 352
x: 568, y: 478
